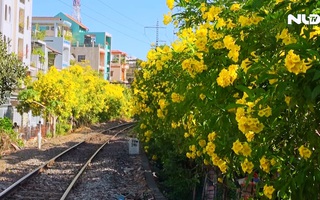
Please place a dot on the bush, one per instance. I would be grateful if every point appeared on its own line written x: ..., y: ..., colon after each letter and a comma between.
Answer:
x: 238, y: 90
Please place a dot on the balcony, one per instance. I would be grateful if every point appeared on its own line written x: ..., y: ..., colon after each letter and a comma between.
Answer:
x: 21, y: 27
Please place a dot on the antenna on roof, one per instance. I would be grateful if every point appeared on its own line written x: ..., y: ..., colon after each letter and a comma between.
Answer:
x: 76, y: 10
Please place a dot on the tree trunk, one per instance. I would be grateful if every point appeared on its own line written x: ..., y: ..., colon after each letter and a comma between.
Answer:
x: 54, y: 125
x: 72, y: 121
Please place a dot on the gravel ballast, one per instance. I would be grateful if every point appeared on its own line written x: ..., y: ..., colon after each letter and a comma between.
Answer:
x: 114, y: 174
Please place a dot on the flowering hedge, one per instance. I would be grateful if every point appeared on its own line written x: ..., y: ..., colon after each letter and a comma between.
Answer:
x: 238, y: 90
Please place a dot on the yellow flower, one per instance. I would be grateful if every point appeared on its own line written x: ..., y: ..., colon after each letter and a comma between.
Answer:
x: 247, y: 166
x: 304, y: 152
x: 211, y: 136
x: 174, y: 125
x: 249, y: 136
x: 244, y: 21
x: 186, y: 134
x: 202, y: 143
x: 210, y: 148
x: 287, y: 99
x: 294, y: 64
x: 256, y: 19
x: 162, y: 103
x: 160, y: 114
x: 218, y: 45
x: 170, y: 4
x: 227, y: 77
x: 279, y: 1
x: 167, y: 18
x: 143, y: 126
x: 154, y: 157
x: 193, y: 148
x: 268, y: 191
x: 176, y: 97
x: 246, y: 150
x: 235, y: 7
x: 202, y: 96
x: 265, y: 164
x: 228, y: 41
x: 148, y: 133
x: 273, y: 161
x: 244, y: 64
x: 222, y: 166
x: 265, y: 112
x: 220, y: 23
x: 237, y: 147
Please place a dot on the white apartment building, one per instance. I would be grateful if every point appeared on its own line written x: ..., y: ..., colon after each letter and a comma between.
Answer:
x: 15, y: 26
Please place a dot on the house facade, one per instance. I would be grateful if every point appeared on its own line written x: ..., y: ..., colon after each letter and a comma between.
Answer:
x: 92, y: 47
x: 119, y: 66
x: 58, y: 36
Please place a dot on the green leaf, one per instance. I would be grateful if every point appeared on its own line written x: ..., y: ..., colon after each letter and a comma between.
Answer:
x: 316, y: 76
x: 315, y: 92
x: 233, y: 105
x: 246, y: 90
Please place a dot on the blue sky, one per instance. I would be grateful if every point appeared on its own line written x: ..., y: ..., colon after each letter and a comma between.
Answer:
x: 125, y: 20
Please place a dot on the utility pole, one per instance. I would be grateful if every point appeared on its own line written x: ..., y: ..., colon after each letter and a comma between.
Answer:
x: 157, y: 27
x: 76, y: 10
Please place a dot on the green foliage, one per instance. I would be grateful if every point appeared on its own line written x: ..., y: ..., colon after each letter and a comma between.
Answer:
x: 5, y: 124
x: 37, y: 34
x: 177, y: 177
x: 39, y: 51
x: 6, y: 129
x: 63, y: 127
x: 229, y: 94
x: 12, y: 71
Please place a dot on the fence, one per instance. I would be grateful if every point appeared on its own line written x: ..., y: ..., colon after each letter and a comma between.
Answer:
x: 30, y: 132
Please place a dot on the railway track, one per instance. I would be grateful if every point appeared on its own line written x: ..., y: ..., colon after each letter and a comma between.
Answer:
x: 56, y: 178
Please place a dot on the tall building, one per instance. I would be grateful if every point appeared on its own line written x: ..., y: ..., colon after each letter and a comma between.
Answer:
x: 15, y: 26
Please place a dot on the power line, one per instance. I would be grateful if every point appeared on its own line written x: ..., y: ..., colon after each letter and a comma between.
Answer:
x: 111, y: 19
x: 107, y: 25
x: 121, y: 13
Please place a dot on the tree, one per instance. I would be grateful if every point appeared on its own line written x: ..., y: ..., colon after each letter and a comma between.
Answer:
x: 12, y: 70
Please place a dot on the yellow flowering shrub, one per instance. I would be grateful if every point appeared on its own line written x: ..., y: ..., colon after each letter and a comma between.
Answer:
x: 238, y: 91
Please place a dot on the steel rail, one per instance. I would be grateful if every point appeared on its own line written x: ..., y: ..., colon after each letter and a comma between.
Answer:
x: 12, y: 187
x: 16, y: 184
x: 68, y: 190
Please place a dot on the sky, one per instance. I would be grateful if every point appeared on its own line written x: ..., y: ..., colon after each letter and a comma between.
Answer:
x: 129, y: 22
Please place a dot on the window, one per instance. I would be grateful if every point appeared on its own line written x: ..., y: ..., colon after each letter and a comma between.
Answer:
x: 81, y: 58
x: 9, y: 14
x: 5, y: 12
x: 28, y: 23
x: 27, y: 51
x: 111, y: 73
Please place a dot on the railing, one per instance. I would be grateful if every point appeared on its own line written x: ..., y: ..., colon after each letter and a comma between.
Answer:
x: 86, y: 45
